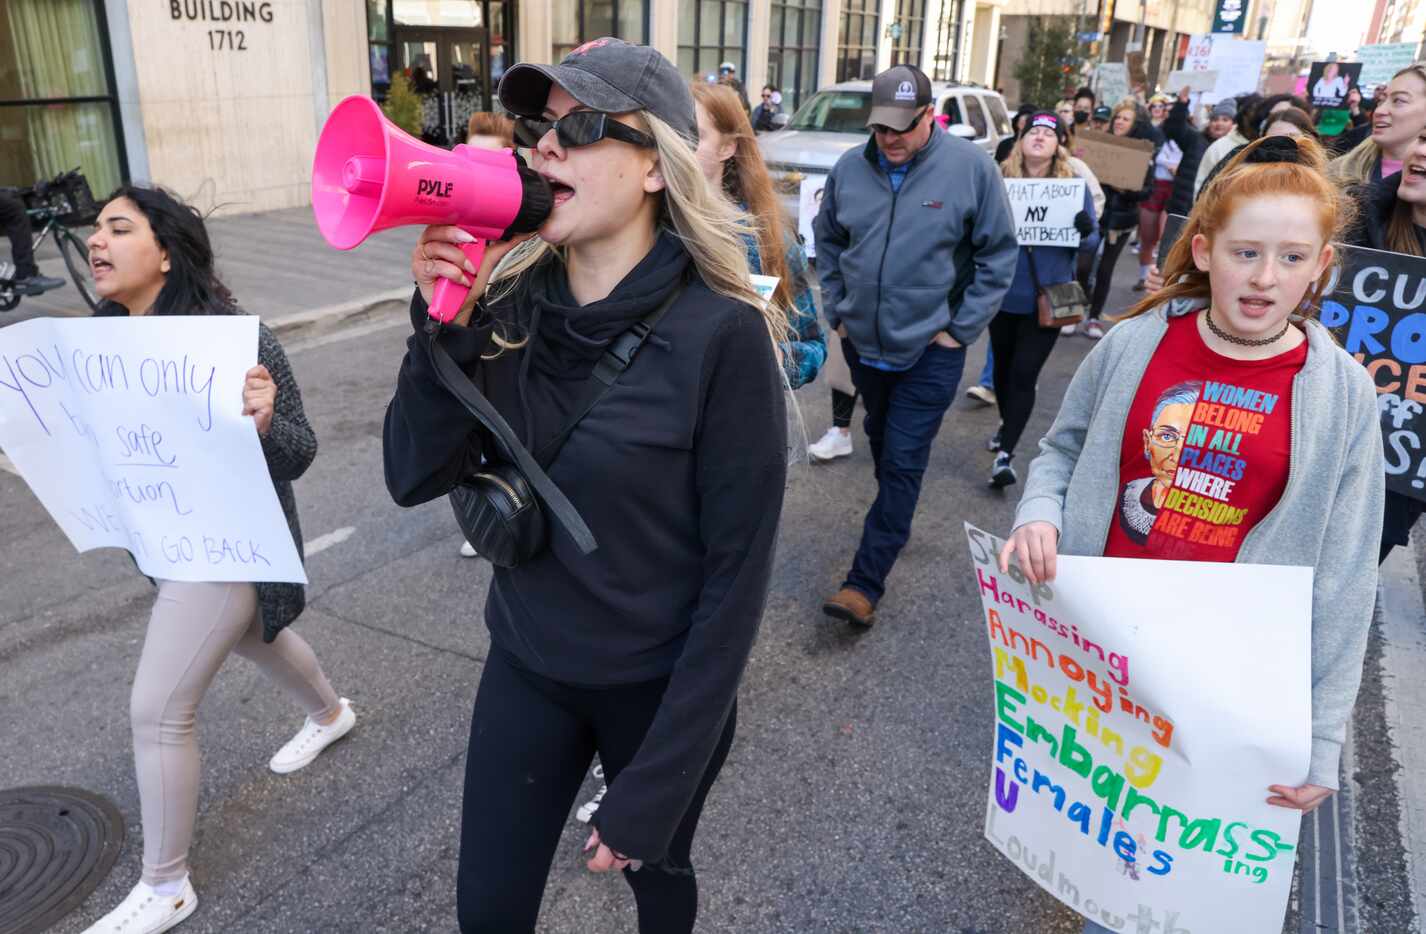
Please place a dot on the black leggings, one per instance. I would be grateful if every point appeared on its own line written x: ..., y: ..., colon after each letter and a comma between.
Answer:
x: 531, y: 743
x: 1021, y: 348
x: 15, y: 224
x: 1105, y: 277
x: 843, y: 406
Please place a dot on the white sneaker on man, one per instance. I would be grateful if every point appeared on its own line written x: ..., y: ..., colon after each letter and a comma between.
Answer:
x: 837, y: 442
x: 145, y: 911
x: 309, y: 742
x: 982, y: 394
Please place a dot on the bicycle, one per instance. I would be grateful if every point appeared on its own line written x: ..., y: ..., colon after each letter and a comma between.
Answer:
x: 55, y: 207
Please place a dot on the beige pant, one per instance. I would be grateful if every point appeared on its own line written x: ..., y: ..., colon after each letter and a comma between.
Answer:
x: 191, y: 632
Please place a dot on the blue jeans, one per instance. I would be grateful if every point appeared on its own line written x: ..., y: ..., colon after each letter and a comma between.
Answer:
x: 903, y: 415
x: 987, y: 375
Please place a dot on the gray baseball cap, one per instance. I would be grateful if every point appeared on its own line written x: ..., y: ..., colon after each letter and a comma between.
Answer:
x: 609, y: 75
x: 897, y: 94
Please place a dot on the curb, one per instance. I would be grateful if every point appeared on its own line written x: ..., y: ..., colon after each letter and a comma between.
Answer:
x: 1403, y: 660
x: 316, y: 320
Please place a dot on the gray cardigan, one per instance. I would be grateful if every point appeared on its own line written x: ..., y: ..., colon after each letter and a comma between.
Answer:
x: 1329, y: 517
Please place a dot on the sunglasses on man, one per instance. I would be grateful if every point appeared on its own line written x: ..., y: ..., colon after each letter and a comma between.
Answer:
x: 579, y: 128
x: 885, y: 130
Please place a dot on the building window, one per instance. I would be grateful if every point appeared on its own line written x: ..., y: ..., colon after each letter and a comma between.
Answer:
x: 856, y: 41
x: 794, y: 39
x: 945, y: 61
x: 57, y: 111
x: 908, y: 28
x: 378, y: 44
x: 577, y: 21
x: 711, y: 32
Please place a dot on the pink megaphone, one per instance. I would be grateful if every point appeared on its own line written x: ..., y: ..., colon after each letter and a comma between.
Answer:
x: 368, y: 175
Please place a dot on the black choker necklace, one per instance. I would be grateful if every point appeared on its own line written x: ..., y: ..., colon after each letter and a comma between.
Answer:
x: 1242, y: 341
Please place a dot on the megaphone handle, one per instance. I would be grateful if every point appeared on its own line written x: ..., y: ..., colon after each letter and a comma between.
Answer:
x: 448, y: 296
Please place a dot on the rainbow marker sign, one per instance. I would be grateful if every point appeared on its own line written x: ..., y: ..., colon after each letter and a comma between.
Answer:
x: 1142, y: 709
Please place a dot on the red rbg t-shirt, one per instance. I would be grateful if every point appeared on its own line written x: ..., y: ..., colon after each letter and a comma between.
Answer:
x: 1206, y: 450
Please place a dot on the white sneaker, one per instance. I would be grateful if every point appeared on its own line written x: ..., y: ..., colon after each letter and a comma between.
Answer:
x: 587, y: 809
x: 834, y: 444
x: 145, y: 911
x: 982, y: 394
x: 311, y: 740
x: 1093, y: 329
x: 467, y: 550
x: 1069, y: 329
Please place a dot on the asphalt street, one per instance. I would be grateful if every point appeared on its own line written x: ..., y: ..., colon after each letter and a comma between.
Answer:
x: 853, y: 800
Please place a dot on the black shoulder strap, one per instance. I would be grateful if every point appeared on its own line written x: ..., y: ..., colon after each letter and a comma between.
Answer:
x: 618, y: 357
x: 559, y: 506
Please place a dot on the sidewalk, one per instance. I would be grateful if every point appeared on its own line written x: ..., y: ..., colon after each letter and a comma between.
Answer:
x: 279, y: 268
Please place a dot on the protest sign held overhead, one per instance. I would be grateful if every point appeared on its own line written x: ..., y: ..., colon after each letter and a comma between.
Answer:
x: 1238, y: 62
x: 1380, y: 62
x: 1044, y: 209
x: 1135, y: 736
x: 130, y: 431
x: 1329, y: 82
x: 1112, y: 82
x: 1198, y: 81
x: 1118, y: 161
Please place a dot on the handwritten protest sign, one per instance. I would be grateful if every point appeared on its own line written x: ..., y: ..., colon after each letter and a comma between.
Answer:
x: 1137, y: 730
x: 1112, y: 79
x: 1044, y: 210
x: 1376, y: 308
x: 809, y: 202
x: 1119, y: 161
x: 1239, y: 63
x: 1380, y: 62
x: 131, y: 433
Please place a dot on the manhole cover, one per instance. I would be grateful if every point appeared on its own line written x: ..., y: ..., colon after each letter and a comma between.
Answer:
x: 56, y: 846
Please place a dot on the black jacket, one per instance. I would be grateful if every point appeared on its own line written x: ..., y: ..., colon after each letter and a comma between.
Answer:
x: 1121, y: 206
x: 1193, y: 143
x: 289, y: 449
x: 678, y: 471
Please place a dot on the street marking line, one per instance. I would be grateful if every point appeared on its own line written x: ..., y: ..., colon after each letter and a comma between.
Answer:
x: 346, y: 333
x: 323, y: 542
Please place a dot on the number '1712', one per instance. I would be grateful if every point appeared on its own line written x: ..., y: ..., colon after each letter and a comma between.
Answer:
x: 219, y: 39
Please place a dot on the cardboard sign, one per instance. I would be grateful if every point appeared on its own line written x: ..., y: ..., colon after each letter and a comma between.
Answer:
x: 1136, y: 728
x: 1380, y: 62
x: 1329, y: 82
x: 809, y: 202
x: 130, y: 432
x: 1044, y: 210
x: 1118, y: 161
x: 1199, y: 81
x: 1376, y: 308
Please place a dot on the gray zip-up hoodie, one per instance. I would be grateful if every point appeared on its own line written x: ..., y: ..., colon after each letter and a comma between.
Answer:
x: 898, y: 268
x: 1329, y: 517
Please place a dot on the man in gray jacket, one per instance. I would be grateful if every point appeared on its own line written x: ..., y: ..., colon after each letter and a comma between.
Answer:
x: 915, y: 247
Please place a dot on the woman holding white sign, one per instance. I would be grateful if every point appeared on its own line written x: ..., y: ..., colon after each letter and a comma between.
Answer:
x: 1221, y: 422
x: 1019, y: 344
x: 150, y: 255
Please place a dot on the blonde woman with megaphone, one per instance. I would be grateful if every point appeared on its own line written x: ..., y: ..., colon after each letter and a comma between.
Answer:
x: 634, y: 650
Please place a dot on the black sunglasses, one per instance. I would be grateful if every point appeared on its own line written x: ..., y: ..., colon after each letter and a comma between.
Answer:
x: 579, y: 128
x: 886, y: 130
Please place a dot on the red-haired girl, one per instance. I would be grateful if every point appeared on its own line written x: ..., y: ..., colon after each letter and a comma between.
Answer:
x: 1233, y: 336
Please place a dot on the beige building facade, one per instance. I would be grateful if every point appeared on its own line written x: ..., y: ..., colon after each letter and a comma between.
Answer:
x: 222, y: 100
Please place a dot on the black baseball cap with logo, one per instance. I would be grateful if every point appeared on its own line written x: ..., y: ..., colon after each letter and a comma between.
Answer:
x: 609, y: 75
x: 897, y: 94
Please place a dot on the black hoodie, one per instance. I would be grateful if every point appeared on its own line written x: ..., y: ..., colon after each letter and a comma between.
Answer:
x: 679, y: 473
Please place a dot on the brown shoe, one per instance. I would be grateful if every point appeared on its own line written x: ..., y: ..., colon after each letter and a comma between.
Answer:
x: 852, y: 606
